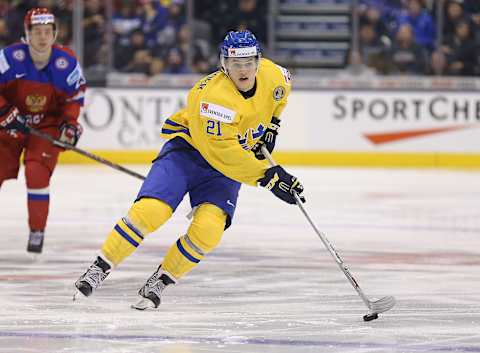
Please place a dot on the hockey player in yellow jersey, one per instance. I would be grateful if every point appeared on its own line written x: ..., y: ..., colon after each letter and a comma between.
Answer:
x: 214, y: 145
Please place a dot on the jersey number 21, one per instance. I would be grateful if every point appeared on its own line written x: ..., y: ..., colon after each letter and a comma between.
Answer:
x: 213, y: 128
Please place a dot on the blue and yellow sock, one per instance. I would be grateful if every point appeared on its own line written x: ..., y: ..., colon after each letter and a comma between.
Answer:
x: 144, y: 217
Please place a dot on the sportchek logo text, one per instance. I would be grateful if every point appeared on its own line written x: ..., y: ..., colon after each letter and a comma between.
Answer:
x: 454, y: 113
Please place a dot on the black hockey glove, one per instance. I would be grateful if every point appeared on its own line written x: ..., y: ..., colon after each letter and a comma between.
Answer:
x: 268, y: 139
x: 282, y: 184
x: 10, y: 119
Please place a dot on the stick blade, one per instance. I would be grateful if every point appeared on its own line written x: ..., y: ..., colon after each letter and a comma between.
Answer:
x: 382, y: 305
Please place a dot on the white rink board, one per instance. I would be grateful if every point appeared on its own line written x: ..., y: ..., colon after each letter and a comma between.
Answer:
x: 127, y: 118
x: 313, y: 120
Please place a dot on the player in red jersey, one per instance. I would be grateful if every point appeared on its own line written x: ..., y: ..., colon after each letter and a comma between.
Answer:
x: 41, y: 86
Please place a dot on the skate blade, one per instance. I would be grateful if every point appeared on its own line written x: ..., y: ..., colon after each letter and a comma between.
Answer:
x: 143, y: 304
x: 34, y: 257
x: 78, y: 296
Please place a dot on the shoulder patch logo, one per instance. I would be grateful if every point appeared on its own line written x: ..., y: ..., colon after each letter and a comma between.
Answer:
x: 3, y: 63
x: 217, y: 112
x: 76, y: 77
x: 286, y: 74
x: 61, y: 63
x: 19, y: 55
x: 278, y: 93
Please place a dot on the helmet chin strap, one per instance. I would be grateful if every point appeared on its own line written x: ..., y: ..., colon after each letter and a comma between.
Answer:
x: 223, y: 66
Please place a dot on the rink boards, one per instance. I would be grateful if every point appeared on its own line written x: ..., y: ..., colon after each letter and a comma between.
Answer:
x: 391, y: 128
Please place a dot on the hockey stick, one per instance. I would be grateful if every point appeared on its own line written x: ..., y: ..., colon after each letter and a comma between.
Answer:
x: 87, y: 154
x: 375, y: 306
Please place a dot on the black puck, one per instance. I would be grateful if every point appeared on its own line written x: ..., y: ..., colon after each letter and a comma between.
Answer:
x: 370, y: 317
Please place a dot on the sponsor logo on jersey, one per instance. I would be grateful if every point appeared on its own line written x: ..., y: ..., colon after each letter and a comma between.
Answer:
x: 35, y: 102
x: 19, y: 75
x: 19, y: 55
x: 216, y: 112
x: 61, y: 63
x: 278, y: 93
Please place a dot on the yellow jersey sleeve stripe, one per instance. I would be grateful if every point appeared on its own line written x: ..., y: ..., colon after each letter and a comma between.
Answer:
x: 171, y: 127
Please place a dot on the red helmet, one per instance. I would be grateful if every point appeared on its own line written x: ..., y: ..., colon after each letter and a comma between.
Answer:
x: 38, y: 16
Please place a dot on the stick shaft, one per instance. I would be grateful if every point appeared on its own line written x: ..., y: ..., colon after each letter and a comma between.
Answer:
x: 324, y: 240
x: 87, y: 154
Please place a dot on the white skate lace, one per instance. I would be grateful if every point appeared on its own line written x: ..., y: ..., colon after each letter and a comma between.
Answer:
x: 154, y: 285
x: 94, y: 276
x: 35, y: 238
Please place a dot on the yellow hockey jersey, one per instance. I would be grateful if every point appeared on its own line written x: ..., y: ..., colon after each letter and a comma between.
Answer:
x: 223, y: 125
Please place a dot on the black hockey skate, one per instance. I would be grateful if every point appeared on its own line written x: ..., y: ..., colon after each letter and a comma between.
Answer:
x: 35, y: 241
x: 92, y: 278
x: 152, y: 290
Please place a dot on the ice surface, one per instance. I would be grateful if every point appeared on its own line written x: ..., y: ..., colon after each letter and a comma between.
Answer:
x: 270, y: 286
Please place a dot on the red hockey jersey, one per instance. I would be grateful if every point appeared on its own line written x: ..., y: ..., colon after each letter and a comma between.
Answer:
x: 45, y: 97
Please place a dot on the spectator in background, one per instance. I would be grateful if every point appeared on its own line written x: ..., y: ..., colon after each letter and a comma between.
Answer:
x: 251, y: 15
x: 454, y: 12
x: 217, y: 14
x: 407, y: 57
x: 461, y: 50
x: 176, y: 14
x: 44, y: 3
x: 389, y: 11
x: 4, y: 35
x: 372, y: 16
x: 154, y: 20
x: 140, y: 63
x: 438, y: 64
x: 356, y: 67
x: 124, y: 21
x: 125, y: 51
x: 200, y: 50
x: 381, y: 4
x: 184, y: 38
x: 14, y: 18
x: 175, y: 19
x: 4, y: 7
x: 175, y: 63
x: 373, y: 52
x: 473, y: 7
x: 421, y: 22
x: 94, y: 32
x: 64, y: 33
x: 157, y: 66
x: 63, y: 10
